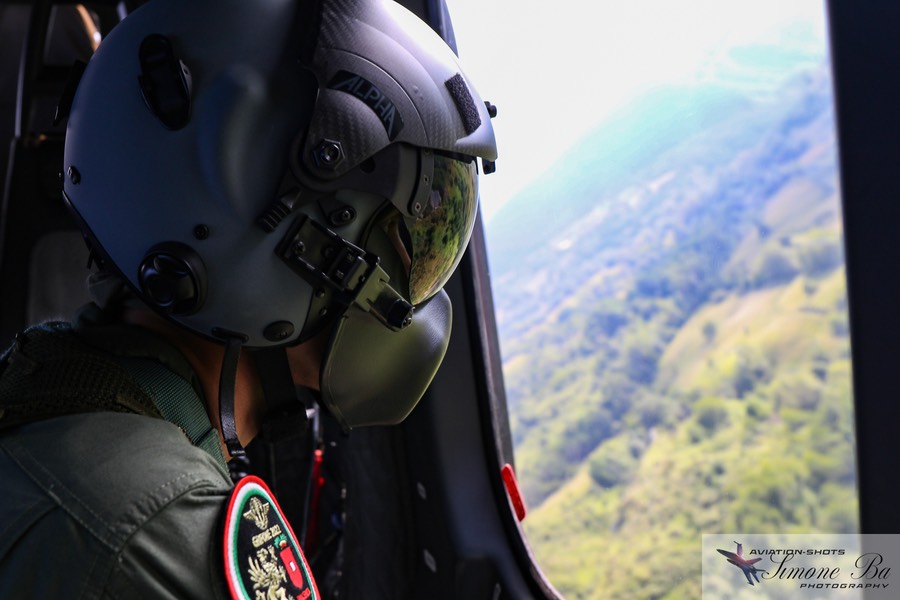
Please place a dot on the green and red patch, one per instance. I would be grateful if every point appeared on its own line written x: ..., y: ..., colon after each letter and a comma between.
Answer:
x: 262, y: 555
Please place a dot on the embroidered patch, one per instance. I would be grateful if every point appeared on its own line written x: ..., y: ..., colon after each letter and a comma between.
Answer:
x: 262, y: 557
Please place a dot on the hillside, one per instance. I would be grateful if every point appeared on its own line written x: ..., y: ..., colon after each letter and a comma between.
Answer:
x: 676, y: 357
x: 752, y: 433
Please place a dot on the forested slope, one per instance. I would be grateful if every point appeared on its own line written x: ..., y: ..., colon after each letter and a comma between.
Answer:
x: 676, y: 348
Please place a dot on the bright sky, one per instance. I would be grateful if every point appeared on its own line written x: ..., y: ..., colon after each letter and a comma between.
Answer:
x: 556, y: 69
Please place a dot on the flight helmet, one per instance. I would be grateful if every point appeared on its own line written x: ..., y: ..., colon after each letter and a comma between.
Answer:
x: 264, y: 172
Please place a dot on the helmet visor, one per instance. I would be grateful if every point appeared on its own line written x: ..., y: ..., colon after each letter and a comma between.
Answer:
x: 439, y: 236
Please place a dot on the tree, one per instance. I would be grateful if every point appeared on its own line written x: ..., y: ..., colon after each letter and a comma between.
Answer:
x: 613, y: 463
x: 774, y: 267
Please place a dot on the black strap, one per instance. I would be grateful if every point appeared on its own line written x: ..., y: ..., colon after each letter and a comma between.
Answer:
x: 226, y: 395
x: 285, y: 411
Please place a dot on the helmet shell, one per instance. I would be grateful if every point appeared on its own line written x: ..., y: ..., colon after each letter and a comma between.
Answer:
x: 261, y: 79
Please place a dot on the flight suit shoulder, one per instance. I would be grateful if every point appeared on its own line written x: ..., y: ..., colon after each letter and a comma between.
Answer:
x: 139, y: 505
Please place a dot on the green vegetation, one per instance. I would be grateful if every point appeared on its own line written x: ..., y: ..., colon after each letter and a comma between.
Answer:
x: 749, y: 432
x: 681, y: 365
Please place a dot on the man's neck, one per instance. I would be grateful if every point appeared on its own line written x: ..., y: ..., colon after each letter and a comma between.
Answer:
x: 206, y: 358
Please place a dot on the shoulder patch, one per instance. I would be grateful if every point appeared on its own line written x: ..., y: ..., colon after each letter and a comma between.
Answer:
x: 262, y: 556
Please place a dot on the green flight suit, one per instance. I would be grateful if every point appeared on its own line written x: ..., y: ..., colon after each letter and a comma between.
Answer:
x: 106, y: 499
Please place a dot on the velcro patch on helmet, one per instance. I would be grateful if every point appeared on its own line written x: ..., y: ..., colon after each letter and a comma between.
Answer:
x: 262, y: 556
x: 462, y: 97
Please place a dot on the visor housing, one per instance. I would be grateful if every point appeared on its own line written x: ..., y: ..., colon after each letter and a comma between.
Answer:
x: 431, y: 244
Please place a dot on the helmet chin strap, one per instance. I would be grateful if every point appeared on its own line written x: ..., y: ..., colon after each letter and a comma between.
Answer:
x: 227, y: 379
x: 285, y: 412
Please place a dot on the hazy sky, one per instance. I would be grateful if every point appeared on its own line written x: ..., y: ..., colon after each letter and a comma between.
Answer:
x: 554, y: 73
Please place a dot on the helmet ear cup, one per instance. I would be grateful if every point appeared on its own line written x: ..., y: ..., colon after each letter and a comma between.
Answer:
x: 173, y: 278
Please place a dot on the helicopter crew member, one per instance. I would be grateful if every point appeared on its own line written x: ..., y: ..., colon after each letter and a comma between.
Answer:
x: 276, y: 192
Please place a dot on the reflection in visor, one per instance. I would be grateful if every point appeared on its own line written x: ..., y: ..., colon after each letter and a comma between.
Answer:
x: 440, y: 235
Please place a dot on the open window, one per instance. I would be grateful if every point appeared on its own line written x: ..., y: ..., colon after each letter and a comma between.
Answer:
x: 665, y: 241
